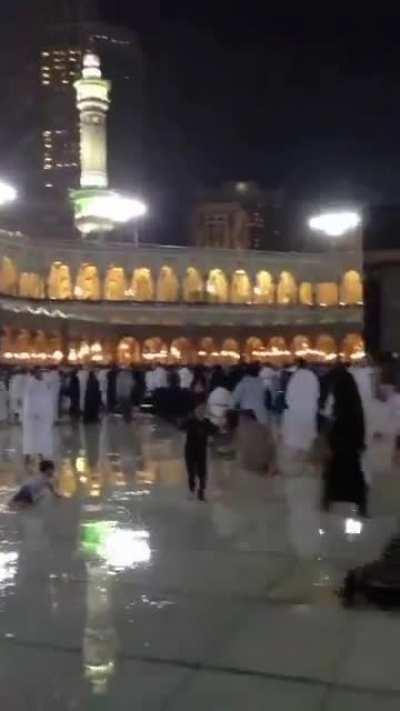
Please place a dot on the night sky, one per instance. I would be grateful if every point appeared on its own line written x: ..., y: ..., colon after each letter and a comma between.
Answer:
x: 308, y: 103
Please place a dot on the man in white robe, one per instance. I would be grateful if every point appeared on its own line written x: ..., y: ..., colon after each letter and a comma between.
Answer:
x: 102, y: 377
x: 249, y: 394
x: 185, y: 377
x: 83, y: 376
x: 300, y: 418
x: 53, y: 380
x: 37, y: 418
x: 160, y: 379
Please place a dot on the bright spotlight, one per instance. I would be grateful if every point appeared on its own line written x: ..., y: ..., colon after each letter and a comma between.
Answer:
x: 335, y: 224
x: 7, y: 193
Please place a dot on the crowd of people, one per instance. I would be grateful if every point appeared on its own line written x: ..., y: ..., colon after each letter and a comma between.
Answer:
x: 296, y: 409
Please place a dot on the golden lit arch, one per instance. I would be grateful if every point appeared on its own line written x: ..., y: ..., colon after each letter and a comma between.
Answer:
x: 300, y: 346
x: 128, y: 351
x: 230, y: 351
x: 278, y: 351
x: 142, y: 285
x: 207, y: 350
x: 193, y: 286
x: 40, y: 347
x: 353, y: 346
x: 217, y: 287
x: 167, y: 285
x: 31, y: 286
x: 287, y: 289
x: 241, y: 292
x: 59, y: 283
x: 326, y: 344
x: 8, y: 277
x: 327, y: 294
x: 115, y: 284
x: 264, y: 290
x: 351, y: 289
x: 88, y: 283
x: 306, y: 293
x: 181, y: 350
x: 154, y: 349
x: 6, y: 342
x: 23, y: 343
x: 254, y: 349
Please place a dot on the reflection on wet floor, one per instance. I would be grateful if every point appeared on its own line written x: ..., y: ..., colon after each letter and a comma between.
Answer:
x: 125, y: 570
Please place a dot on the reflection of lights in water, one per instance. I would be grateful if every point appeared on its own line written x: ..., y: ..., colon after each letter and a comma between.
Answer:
x: 8, y: 568
x: 66, y: 484
x: 99, y: 642
x: 353, y: 527
x: 81, y: 465
x: 124, y: 548
x: 119, y: 547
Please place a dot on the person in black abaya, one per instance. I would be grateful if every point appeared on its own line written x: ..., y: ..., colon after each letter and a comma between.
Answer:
x: 343, y: 476
x: 74, y: 396
x: 92, y: 405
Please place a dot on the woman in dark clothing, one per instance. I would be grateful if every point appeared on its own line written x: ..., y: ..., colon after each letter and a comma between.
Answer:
x: 343, y: 477
x: 92, y: 400
x: 74, y: 396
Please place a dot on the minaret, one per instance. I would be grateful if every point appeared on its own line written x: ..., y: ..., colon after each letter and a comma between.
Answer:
x: 93, y: 101
x: 97, y: 209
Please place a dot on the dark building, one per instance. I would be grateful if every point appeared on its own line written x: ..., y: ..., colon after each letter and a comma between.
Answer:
x: 239, y: 215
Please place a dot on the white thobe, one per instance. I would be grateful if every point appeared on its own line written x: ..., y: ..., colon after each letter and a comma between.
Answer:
x: 219, y: 402
x: 37, y: 419
x: 185, y: 378
x: 267, y: 375
x: 53, y: 380
x: 102, y: 377
x: 300, y: 418
x: 83, y: 376
x: 160, y: 378
x: 149, y: 380
x: 249, y: 394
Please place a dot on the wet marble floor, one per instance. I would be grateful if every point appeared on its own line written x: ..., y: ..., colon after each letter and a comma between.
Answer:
x: 124, y: 594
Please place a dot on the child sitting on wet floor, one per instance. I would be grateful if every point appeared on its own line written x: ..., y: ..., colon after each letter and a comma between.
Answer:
x: 35, y: 487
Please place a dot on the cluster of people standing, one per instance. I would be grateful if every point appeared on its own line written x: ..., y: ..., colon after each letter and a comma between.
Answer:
x: 272, y: 407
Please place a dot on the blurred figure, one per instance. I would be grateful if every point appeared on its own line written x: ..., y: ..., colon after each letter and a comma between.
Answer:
x: 220, y: 401
x: 300, y: 418
x: 199, y: 383
x: 53, y: 380
x: 256, y: 444
x: 249, y: 394
x: 198, y: 430
x: 3, y: 402
x: 74, y: 396
x: 92, y: 401
x: 17, y: 389
x: 37, y: 418
x: 102, y: 376
x: 124, y: 393
x: 185, y: 377
x: 83, y: 376
x: 160, y: 379
x: 343, y: 478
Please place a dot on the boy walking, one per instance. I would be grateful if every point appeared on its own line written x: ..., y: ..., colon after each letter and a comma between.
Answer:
x: 198, y: 429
